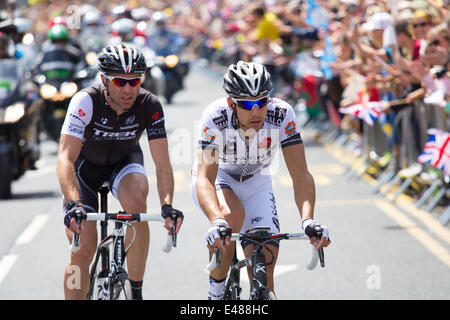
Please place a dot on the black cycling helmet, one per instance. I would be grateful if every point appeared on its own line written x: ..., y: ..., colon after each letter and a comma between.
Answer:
x: 247, y: 79
x: 121, y: 58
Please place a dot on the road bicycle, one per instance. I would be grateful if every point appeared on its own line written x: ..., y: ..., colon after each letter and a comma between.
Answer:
x: 109, y: 279
x: 260, y: 236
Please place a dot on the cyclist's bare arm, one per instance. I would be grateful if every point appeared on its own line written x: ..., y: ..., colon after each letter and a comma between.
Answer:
x: 302, y: 180
x: 164, y: 174
x: 159, y: 150
x: 208, y: 165
x: 69, y: 149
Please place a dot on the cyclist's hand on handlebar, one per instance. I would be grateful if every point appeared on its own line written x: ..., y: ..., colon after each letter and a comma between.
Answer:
x: 314, y: 231
x: 168, y: 213
x: 70, y: 218
x: 213, y: 236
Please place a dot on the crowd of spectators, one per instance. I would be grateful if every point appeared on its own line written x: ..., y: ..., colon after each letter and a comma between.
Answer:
x: 396, y: 52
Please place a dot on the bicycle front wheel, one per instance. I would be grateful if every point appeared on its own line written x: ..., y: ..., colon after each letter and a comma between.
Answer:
x: 121, y: 288
x: 270, y: 295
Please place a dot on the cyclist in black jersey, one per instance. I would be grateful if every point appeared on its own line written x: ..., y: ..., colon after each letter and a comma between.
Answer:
x: 100, y: 142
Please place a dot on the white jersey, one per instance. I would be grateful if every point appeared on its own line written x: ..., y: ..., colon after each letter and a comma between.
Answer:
x: 243, y: 158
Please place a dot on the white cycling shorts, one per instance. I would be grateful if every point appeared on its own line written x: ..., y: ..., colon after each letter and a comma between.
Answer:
x: 256, y: 196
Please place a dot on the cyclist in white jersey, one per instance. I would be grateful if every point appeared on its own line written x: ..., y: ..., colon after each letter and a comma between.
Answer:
x: 231, y: 181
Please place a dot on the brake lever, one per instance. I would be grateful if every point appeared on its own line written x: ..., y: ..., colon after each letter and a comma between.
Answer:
x: 320, y: 251
x: 223, y: 234
x: 76, y: 235
x: 174, y: 227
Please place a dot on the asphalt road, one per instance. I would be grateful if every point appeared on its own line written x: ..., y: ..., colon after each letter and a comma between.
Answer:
x: 379, y: 250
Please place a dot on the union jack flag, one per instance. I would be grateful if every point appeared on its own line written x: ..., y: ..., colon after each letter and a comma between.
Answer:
x: 368, y: 111
x: 437, y: 150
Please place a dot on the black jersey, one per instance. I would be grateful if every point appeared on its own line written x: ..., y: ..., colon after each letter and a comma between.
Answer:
x: 107, y: 137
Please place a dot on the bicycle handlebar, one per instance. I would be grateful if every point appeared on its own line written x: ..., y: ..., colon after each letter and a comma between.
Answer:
x: 142, y: 217
x: 316, y: 254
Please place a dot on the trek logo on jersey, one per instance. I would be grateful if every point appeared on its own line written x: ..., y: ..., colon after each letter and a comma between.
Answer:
x: 105, y: 135
x: 81, y: 113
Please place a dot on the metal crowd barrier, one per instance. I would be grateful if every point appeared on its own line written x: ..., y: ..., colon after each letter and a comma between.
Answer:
x: 405, y: 173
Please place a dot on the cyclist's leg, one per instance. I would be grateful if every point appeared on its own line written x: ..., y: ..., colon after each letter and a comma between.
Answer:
x: 132, y: 194
x: 261, y: 210
x: 130, y: 186
x: 233, y: 211
x: 76, y: 276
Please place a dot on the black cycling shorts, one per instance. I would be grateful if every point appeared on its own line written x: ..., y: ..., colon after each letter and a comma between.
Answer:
x: 91, y: 176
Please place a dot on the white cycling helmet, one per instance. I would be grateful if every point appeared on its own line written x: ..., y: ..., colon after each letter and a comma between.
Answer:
x: 247, y: 79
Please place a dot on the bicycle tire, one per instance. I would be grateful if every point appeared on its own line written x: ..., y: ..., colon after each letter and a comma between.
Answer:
x: 92, y: 295
x: 121, y: 288
x: 264, y: 294
x: 233, y: 280
x: 229, y: 293
x: 269, y: 296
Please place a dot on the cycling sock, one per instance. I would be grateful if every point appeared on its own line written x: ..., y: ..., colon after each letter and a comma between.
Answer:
x: 136, y: 289
x: 216, y: 288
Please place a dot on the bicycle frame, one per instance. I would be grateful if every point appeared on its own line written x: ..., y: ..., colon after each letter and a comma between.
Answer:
x: 109, y: 269
x: 258, y: 290
x: 113, y: 272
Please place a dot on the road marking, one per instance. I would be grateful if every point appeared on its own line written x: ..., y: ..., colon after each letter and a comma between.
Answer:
x: 428, y: 220
x: 33, y: 228
x: 425, y: 239
x: 329, y: 168
x: 336, y: 203
x: 319, y: 179
x: 405, y: 203
x: 6, y: 264
x: 280, y: 269
x: 322, y: 180
x: 8, y: 261
x: 40, y: 172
